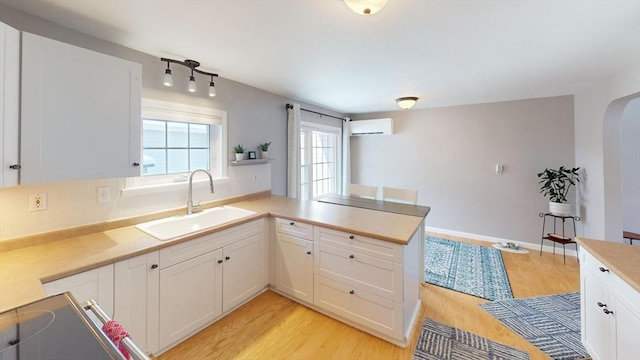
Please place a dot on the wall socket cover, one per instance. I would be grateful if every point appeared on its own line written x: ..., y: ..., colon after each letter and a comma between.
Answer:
x: 38, y: 202
x: 103, y: 194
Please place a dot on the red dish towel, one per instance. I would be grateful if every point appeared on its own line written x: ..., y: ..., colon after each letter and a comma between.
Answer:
x: 116, y: 333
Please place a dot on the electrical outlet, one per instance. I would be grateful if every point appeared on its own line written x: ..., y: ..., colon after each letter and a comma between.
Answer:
x: 103, y: 194
x: 38, y: 202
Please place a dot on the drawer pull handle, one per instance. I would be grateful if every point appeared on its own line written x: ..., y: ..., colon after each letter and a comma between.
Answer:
x: 136, y: 164
x: 292, y: 223
x: 351, y: 292
x: 351, y: 256
x: 15, y: 167
x: 351, y: 237
x: 154, y: 266
x: 603, y: 269
x: 601, y: 304
x: 607, y: 311
x: 219, y: 261
x: 227, y: 258
x: 308, y: 252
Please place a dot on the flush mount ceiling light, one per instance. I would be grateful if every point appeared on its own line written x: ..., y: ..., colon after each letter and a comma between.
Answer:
x: 191, y: 64
x: 365, y: 7
x: 407, y: 102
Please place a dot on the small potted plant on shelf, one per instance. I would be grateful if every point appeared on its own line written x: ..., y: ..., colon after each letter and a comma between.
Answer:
x: 239, y: 150
x: 556, y: 184
x: 264, y: 148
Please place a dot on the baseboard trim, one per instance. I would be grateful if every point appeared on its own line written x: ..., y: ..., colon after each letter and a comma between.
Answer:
x: 491, y: 239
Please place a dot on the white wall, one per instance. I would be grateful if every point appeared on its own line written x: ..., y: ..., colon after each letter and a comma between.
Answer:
x: 449, y: 155
x: 630, y: 164
x: 254, y: 116
x: 598, y: 111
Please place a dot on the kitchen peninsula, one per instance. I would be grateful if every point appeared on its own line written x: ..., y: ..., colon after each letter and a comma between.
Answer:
x: 387, y: 244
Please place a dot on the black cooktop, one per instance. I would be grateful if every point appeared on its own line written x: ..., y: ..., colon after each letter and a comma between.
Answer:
x: 54, y: 328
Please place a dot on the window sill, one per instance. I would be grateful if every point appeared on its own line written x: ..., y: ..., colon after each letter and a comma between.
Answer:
x: 158, y: 188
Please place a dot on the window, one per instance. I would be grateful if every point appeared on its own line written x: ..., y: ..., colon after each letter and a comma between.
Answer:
x: 319, y: 160
x: 171, y: 147
x: 178, y: 139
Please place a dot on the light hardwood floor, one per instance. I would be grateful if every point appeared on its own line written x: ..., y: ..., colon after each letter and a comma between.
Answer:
x: 274, y: 327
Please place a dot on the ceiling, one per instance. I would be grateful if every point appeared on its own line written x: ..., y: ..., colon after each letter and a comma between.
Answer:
x: 318, y: 51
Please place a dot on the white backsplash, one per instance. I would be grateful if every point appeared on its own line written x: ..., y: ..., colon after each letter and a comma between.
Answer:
x: 75, y: 203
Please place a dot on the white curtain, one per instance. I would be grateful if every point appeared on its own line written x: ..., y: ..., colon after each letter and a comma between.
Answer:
x: 293, y: 151
x: 346, y: 155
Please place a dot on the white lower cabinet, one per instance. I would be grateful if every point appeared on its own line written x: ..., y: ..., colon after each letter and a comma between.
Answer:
x: 190, y: 297
x: 96, y: 284
x: 136, y: 295
x: 366, y: 282
x: 610, y: 312
x: 294, y: 260
x: 244, y: 272
x: 204, y: 278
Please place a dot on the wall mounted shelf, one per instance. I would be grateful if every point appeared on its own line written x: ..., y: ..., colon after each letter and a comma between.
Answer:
x: 249, y: 162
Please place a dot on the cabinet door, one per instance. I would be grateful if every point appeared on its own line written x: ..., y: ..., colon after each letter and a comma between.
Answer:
x: 190, y: 297
x: 294, y: 267
x: 627, y: 331
x: 9, y: 104
x: 244, y: 272
x: 80, y: 113
x: 137, y: 286
x: 96, y: 284
x: 596, y: 325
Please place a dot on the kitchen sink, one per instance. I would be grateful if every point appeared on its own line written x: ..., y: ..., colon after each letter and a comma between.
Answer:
x: 175, y: 226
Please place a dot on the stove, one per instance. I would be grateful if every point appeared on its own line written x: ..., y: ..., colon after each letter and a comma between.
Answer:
x: 54, y: 328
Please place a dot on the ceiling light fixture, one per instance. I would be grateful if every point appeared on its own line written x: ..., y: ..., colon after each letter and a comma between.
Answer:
x: 365, y: 7
x: 407, y: 102
x: 191, y: 64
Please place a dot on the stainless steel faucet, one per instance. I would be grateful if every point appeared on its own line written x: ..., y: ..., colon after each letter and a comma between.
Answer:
x: 190, y: 205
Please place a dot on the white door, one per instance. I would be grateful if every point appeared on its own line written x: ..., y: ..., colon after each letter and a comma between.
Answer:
x: 245, y: 271
x: 136, y: 291
x: 96, y: 284
x: 597, y: 325
x: 190, y: 297
x: 627, y: 331
x: 9, y: 104
x: 80, y: 113
x: 294, y: 267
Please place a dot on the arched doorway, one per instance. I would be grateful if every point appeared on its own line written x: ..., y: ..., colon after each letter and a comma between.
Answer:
x: 621, y: 144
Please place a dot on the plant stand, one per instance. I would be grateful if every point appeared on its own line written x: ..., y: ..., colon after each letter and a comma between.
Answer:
x: 558, y: 238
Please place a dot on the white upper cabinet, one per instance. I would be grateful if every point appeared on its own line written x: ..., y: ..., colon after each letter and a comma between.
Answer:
x: 9, y: 104
x: 80, y: 113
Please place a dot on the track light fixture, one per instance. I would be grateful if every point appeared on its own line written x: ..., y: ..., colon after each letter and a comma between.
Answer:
x: 191, y: 64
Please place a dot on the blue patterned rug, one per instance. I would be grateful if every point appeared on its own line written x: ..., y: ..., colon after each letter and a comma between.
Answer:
x: 470, y: 269
x: 439, y: 341
x: 550, y: 323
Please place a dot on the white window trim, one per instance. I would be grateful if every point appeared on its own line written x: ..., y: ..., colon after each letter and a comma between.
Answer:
x: 306, y: 125
x: 169, y: 111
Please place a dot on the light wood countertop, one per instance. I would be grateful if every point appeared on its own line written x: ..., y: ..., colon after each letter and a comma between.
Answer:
x: 23, y: 270
x: 621, y: 259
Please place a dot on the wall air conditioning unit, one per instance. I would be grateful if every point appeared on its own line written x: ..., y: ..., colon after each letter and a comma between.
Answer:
x: 372, y: 127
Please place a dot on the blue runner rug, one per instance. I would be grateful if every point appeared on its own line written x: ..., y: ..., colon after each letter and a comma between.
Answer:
x: 550, y: 323
x: 470, y: 269
x: 438, y: 341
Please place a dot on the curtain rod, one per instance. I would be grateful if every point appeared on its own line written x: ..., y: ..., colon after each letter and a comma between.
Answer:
x: 289, y: 106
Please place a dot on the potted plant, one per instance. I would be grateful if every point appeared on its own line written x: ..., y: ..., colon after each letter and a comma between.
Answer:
x: 265, y: 150
x: 239, y: 150
x: 556, y: 185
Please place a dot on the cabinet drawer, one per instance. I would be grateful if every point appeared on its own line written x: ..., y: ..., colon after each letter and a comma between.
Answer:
x: 379, y: 277
x: 626, y: 294
x: 190, y: 249
x: 361, y: 244
x: 359, y: 306
x: 294, y: 228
